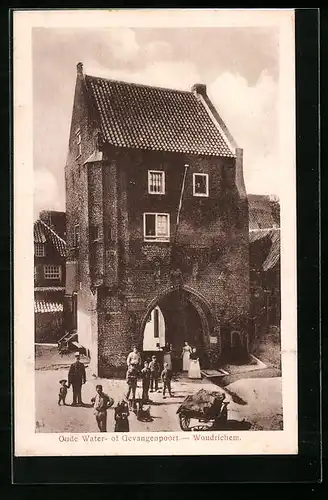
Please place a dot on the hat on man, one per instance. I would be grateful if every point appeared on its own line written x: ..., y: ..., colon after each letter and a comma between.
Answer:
x: 77, y: 354
x: 62, y: 380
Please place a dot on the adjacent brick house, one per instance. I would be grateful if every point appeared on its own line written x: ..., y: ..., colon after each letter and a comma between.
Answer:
x: 49, y: 276
x: 157, y: 215
x: 264, y: 237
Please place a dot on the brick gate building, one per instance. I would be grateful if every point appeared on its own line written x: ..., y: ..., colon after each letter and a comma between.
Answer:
x: 157, y: 216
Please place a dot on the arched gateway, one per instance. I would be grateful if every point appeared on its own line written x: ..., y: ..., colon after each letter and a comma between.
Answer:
x: 187, y: 317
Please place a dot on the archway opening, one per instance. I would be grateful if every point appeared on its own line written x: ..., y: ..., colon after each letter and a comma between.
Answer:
x: 173, y: 320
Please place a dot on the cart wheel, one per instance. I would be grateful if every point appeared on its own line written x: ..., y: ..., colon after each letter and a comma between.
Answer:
x: 184, y: 422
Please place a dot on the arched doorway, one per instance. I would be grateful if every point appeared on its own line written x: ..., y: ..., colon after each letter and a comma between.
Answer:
x: 176, y: 316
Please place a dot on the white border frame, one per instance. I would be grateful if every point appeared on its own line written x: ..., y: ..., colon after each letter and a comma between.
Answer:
x: 27, y: 441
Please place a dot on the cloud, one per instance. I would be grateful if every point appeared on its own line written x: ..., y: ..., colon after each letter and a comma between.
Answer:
x: 46, y: 192
x: 176, y: 74
x: 122, y: 43
x: 250, y: 112
x: 159, y: 49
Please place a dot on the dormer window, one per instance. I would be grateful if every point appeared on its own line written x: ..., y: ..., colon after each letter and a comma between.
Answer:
x: 156, y: 182
x: 39, y: 250
x: 78, y: 142
x: 200, y: 184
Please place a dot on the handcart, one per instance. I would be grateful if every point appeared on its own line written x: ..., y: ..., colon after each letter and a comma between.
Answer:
x: 208, y: 408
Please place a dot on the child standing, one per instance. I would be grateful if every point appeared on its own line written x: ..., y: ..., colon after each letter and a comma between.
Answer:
x: 62, y: 392
x: 101, y: 403
x: 145, y: 375
x: 132, y: 381
x: 166, y: 376
x: 154, y: 373
x: 121, y: 417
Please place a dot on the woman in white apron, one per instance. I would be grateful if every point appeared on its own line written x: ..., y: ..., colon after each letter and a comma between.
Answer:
x: 186, y: 350
x: 194, y: 366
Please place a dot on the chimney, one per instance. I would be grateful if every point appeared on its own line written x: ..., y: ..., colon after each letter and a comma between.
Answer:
x: 79, y: 68
x: 199, y: 89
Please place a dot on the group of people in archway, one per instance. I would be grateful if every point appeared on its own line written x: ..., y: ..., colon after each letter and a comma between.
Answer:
x: 187, y: 361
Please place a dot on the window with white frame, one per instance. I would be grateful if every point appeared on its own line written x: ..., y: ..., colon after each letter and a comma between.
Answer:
x: 156, y: 182
x: 39, y: 250
x: 200, y: 184
x: 78, y: 142
x: 156, y: 227
x: 52, y: 272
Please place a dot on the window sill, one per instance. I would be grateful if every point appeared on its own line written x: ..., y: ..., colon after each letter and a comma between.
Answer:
x: 157, y: 240
x: 160, y: 194
x: 198, y: 195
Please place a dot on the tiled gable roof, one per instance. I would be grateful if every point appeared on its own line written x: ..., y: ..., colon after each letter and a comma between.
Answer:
x: 274, y: 253
x: 44, y: 233
x: 273, y: 256
x: 260, y: 212
x: 145, y: 117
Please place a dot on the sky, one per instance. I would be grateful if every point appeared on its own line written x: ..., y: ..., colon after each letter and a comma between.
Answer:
x: 240, y: 67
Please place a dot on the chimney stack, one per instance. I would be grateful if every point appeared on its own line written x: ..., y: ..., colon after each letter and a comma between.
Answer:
x: 79, y: 68
x: 199, y: 89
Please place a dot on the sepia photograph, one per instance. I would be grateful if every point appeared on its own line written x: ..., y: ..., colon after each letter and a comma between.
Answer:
x: 159, y: 196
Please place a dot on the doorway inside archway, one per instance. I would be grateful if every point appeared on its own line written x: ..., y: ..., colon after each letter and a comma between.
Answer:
x: 174, y: 320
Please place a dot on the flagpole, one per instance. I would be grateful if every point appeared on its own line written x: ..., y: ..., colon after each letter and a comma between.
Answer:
x: 178, y: 213
x: 181, y: 196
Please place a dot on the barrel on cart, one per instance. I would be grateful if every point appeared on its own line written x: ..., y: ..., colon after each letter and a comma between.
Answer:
x: 208, y: 408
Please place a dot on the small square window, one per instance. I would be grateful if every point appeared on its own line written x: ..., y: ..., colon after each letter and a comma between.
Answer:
x: 52, y: 272
x: 156, y: 182
x: 156, y: 227
x: 200, y: 184
x: 39, y: 250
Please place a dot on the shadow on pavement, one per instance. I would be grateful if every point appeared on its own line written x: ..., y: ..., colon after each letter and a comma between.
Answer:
x: 236, y: 425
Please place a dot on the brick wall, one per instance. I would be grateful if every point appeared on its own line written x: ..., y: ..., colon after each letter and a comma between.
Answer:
x: 212, y: 248
x: 48, y: 327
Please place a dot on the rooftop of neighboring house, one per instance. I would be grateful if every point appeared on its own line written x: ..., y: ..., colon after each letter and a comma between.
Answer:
x: 55, y: 220
x: 43, y: 233
x: 264, y: 225
x: 141, y: 116
x: 262, y: 212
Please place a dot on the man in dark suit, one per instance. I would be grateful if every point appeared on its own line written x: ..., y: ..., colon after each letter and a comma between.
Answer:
x: 76, y: 377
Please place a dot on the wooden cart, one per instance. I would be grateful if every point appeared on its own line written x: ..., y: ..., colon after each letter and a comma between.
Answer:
x: 208, y: 408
